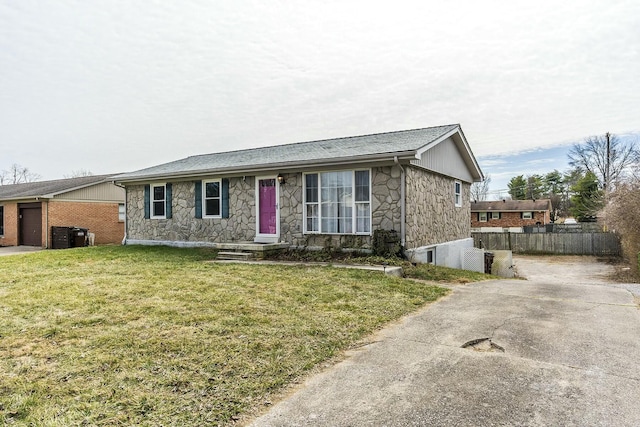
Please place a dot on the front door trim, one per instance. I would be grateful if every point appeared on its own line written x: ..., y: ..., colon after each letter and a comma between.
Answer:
x: 268, y: 237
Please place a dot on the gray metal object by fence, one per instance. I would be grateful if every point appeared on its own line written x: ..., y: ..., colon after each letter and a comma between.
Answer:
x: 599, y: 244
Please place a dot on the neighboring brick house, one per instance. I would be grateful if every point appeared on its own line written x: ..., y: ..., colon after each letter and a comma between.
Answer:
x: 28, y: 211
x: 333, y: 192
x: 510, y: 213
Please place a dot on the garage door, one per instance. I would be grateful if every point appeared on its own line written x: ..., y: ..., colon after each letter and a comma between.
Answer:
x: 31, y: 224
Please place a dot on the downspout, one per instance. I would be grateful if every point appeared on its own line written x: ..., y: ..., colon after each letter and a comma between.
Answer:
x: 402, y: 202
x: 124, y: 238
x: 46, y: 224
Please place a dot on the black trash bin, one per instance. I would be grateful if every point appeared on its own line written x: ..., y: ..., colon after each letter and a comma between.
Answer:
x: 80, y: 237
x: 488, y: 261
x: 61, y: 237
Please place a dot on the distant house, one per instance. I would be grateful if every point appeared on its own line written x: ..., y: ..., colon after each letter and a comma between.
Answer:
x: 333, y: 192
x: 28, y: 211
x: 510, y: 213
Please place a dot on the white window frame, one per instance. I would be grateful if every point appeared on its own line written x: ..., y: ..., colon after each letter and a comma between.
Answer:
x: 153, y: 201
x: 122, y: 212
x: 204, y: 198
x: 457, y: 193
x: 527, y: 215
x: 354, y: 204
x: 495, y: 215
x: 482, y: 217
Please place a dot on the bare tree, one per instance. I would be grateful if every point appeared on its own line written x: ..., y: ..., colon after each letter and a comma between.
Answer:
x: 17, y: 175
x: 480, y: 190
x: 79, y: 173
x: 608, y: 158
x: 620, y: 211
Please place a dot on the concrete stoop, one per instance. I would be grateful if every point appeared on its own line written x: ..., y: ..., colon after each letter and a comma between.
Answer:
x: 236, y: 256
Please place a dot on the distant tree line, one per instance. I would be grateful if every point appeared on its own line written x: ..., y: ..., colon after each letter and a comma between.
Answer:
x: 599, y: 165
x: 17, y: 174
x: 603, y: 183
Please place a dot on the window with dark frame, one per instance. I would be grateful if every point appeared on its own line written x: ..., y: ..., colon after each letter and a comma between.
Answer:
x: 1, y: 220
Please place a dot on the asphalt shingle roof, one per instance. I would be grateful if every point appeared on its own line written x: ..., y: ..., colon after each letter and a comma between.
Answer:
x: 299, y: 153
x: 44, y: 188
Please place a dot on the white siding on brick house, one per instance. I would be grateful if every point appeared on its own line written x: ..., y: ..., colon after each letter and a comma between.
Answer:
x: 104, y: 192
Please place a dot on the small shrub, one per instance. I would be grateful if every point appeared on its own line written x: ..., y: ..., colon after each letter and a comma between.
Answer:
x: 386, y: 243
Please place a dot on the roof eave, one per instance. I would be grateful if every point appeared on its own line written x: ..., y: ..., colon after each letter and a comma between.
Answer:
x: 283, y: 166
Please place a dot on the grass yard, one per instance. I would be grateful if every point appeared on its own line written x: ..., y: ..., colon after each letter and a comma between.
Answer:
x: 155, y: 336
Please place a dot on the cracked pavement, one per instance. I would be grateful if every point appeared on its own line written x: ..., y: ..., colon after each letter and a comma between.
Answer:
x: 571, y: 345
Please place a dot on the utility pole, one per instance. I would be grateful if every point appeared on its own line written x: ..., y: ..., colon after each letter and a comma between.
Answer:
x: 607, y: 177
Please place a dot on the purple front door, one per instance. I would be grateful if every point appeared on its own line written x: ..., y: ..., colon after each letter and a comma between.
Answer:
x: 267, y: 203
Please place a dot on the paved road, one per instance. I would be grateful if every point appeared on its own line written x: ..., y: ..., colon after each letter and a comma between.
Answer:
x: 563, y: 351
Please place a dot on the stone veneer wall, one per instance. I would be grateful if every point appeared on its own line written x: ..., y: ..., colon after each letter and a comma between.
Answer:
x: 184, y: 226
x: 432, y: 216
x: 241, y: 224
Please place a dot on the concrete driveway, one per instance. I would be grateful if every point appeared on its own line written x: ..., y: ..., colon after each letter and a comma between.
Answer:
x: 559, y: 349
x: 15, y: 250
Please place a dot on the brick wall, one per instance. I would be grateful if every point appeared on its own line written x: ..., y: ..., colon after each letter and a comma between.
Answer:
x: 100, y: 218
x: 10, y: 237
x: 510, y: 219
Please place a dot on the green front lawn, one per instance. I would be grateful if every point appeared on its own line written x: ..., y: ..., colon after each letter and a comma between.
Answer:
x: 156, y: 336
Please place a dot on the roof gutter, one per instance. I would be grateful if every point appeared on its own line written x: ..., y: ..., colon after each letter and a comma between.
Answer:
x: 255, y: 169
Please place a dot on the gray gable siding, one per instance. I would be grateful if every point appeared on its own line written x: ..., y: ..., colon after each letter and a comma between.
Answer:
x: 99, y: 192
x: 446, y: 159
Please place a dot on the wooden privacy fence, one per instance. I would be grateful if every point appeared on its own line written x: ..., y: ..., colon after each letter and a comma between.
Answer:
x: 599, y: 244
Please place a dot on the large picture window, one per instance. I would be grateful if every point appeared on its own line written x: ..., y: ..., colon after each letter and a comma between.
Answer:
x: 211, y: 199
x: 338, y: 202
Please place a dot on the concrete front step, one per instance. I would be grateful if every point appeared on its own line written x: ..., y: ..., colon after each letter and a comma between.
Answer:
x: 236, y: 256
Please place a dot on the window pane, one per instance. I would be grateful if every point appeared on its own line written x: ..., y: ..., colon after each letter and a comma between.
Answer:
x: 362, y: 186
x: 158, y: 208
x: 336, y: 202
x: 212, y: 189
x: 312, y: 211
x: 312, y: 224
x: 212, y: 207
x: 363, y: 221
x: 158, y: 193
x: 311, y: 182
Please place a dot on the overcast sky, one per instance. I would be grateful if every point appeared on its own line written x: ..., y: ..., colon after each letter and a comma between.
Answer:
x: 115, y: 86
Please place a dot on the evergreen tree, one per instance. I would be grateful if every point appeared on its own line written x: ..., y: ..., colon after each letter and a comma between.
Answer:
x: 534, y: 187
x: 587, y: 199
x: 518, y: 188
